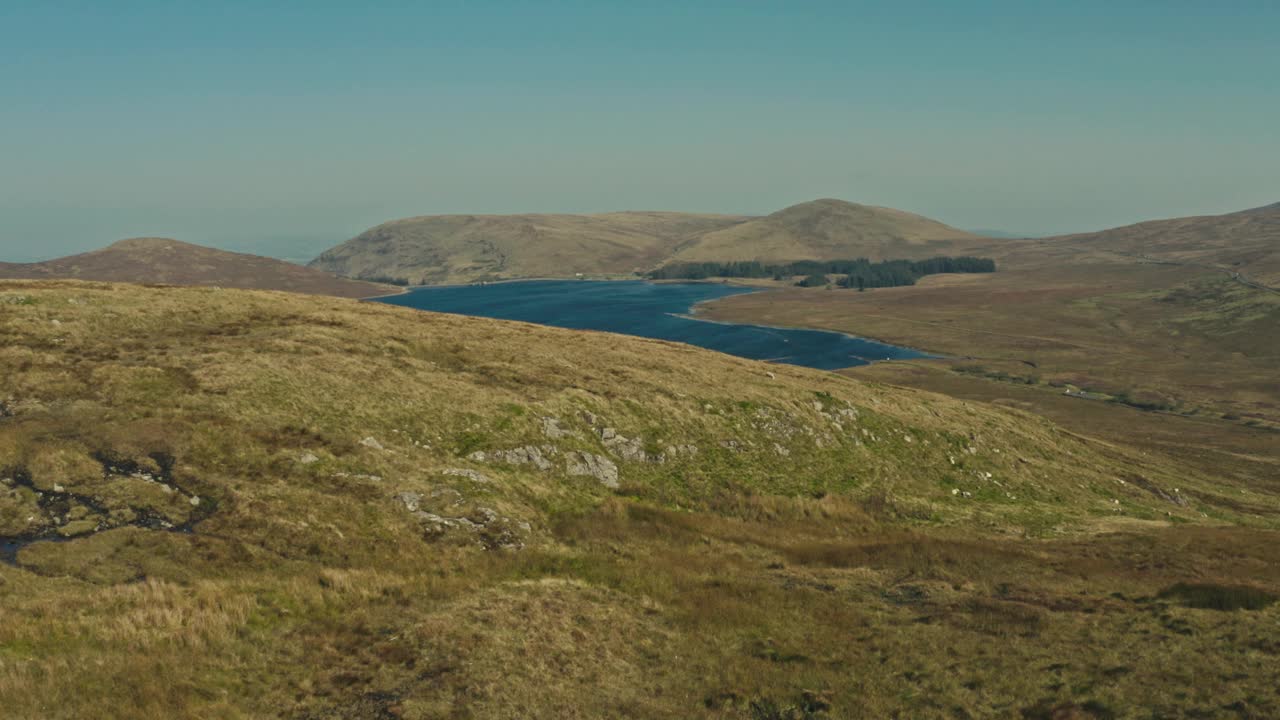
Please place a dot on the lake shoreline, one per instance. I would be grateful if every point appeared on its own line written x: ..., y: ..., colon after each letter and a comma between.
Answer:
x: 670, y: 311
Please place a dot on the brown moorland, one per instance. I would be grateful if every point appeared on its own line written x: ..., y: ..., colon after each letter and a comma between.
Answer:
x: 831, y: 229
x: 467, y: 248
x: 171, y: 262
x: 249, y: 504
x: 1172, y: 334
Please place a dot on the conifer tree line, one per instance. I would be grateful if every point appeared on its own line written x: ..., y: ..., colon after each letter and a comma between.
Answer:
x: 860, y: 273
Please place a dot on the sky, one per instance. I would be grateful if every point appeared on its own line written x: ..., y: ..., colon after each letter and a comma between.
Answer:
x: 271, y: 125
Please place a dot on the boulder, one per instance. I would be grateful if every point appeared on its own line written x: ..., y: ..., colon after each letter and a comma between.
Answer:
x: 597, y: 466
x: 410, y: 500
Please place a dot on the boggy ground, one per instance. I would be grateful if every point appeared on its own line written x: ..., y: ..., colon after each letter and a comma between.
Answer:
x: 414, y: 515
x: 1182, y: 339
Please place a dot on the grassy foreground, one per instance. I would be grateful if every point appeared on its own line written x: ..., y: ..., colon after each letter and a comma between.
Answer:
x: 243, y: 504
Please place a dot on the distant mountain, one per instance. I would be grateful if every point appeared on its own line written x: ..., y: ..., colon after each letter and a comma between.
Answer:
x: 830, y: 229
x: 1247, y: 241
x: 170, y: 262
x: 461, y: 248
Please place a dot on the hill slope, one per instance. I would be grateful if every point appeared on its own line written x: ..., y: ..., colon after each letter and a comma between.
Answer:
x: 461, y: 248
x: 170, y: 262
x: 311, y: 507
x: 829, y: 230
x: 1247, y: 241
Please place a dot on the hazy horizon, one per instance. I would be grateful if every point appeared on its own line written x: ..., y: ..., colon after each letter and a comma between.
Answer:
x: 301, y: 125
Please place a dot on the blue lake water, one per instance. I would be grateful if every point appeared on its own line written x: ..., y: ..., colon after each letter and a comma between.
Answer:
x: 653, y: 310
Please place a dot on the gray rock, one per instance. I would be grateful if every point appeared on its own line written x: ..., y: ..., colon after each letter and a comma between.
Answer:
x: 629, y: 449
x: 469, y: 474
x: 372, y: 443
x: 526, y: 455
x: 597, y: 466
x: 308, y: 458
x: 411, y: 500
x: 679, y: 451
x: 535, y: 455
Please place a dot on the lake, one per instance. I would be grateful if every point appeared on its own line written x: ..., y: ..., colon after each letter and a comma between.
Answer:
x: 653, y: 310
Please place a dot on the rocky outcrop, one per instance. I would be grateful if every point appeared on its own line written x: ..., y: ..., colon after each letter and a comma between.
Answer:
x: 535, y: 455
x: 629, y: 449
x: 597, y: 466
x: 472, y: 475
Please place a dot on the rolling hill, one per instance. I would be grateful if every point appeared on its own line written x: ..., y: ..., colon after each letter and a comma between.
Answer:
x: 1247, y: 241
x: 293, y: 506
x: 463, y: 248
x: 831, y: 230
x: 170, y: 262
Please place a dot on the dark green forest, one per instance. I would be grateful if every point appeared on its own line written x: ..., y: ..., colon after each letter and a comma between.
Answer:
x: 860, y: 273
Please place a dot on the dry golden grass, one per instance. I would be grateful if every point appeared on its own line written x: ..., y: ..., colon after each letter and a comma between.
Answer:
x: 1184, y: 338
x: 465, y: 248
x: 161, y: 260
x: 872, y: 570
x: 831, y: 230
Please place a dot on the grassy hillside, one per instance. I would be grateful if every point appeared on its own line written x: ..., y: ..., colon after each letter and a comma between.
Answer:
x: 246, y: 504
x: 831, y: 230
x: 464, y: 248
x: 164, y: 261
x: 1245, y: 242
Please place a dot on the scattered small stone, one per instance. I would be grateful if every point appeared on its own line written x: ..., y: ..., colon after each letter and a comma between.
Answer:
x: 194, y: 500
x: 371, y: 442
x: 677, y: 451
x: 308, y: 458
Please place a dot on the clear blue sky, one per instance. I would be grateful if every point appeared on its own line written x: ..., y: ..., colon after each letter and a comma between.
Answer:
x: 230, y: 123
